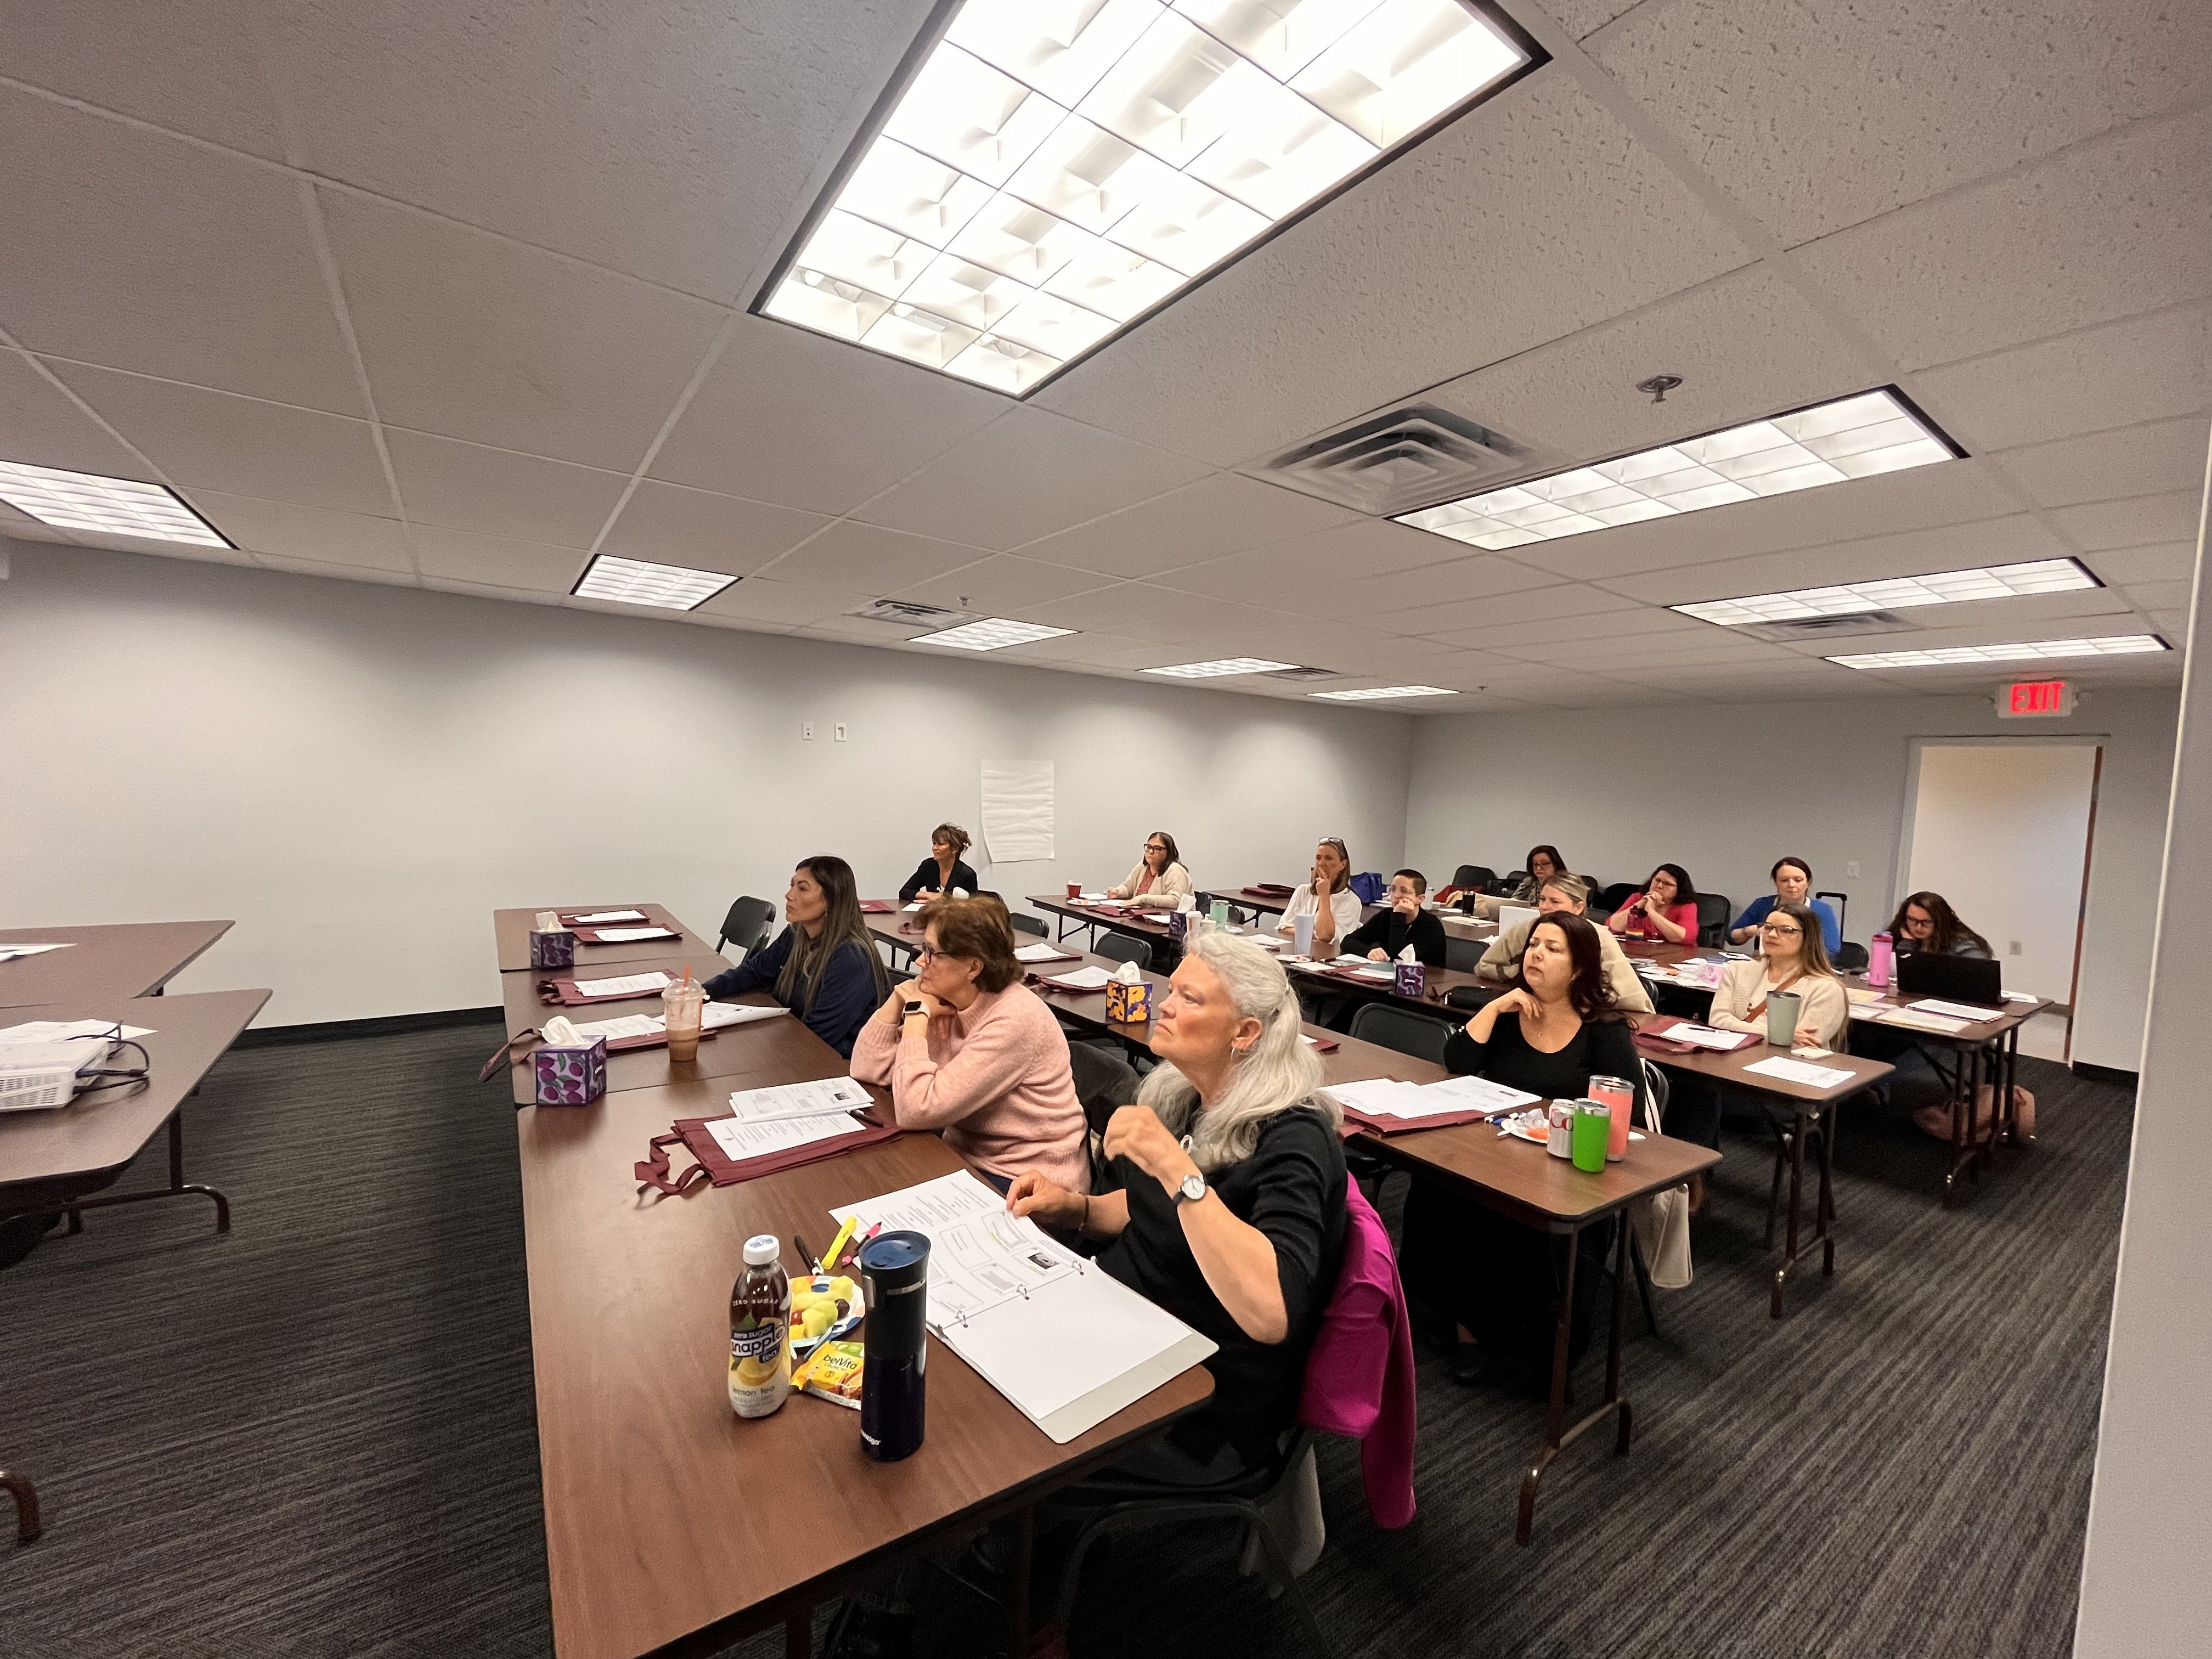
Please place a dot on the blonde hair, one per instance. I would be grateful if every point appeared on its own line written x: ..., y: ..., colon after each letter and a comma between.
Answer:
x: 1278, y: 1074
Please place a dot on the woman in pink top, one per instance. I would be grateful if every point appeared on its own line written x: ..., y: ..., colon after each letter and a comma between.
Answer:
x: 966, y: 1049
x: 1665, y: 909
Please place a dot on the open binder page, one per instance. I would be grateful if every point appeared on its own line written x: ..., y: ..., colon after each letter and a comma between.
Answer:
x: 1065, y: 1342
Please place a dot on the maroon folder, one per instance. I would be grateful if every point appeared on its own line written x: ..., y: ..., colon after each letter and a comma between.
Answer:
x: 590, y: 935
x: 722, y: 1170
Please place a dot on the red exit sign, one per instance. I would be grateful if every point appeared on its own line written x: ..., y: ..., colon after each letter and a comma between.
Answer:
x: 2024, y: 698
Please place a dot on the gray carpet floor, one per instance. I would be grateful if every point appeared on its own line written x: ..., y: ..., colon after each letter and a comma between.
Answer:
x: 315, y: 1437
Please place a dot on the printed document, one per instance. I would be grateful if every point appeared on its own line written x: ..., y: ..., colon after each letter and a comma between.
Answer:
x: 599, y: 917
x: 1964, y: 1011
x: 631, y: 935
x: 629, y: 985
x: 1798, y: 1071
x: 740, y: 1138
x: 826, y: 1096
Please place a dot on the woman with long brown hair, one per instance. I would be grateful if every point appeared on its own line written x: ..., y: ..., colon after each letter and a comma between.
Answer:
x: 824, y: 965
x: 1926, y: 921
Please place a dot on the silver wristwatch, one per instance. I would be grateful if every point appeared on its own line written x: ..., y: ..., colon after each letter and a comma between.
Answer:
x: 1192, y: 1188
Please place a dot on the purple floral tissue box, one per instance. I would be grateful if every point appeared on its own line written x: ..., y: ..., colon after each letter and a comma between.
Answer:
x: 1412, y: 979
x: 571, y: 1074
x: 554, y: 948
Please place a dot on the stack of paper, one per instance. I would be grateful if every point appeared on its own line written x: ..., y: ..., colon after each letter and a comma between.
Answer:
x: 601, y: 918
x: 630, y: 935
x: 627, y: 985
x: 1964, y: 1011
x: 1045, y: 953
x: 1065, y: 1343
x: 1385, y: 1096
x: 1093, y: 978
x: 1919, y: 1020
x: 741, y: 1138
x: 712, y: 1017
x: 823, y: 1097
x: 1704, y: 1037
x: 1798, y: 1071
x: 64, y: 1030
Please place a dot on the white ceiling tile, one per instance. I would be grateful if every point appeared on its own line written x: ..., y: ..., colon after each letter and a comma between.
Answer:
x: 1580, y: 636
x: 350, y: 573
x: 2144, y: 369
x: 1533, y: 216
x: 1149, y: 612
x: 789, y: 417
x: 676, y: 144
x: 493, y: 590
x: 183, y: 70
x: 2102, y: 232
x: 1024, y: 476
x: 1951, y: 493
x: 668, y: 524
x: 467, y: 487
x: 241, y: 446
x: 2136, y: 460
x: 163, y: 550
x: 1819, y: 115
x: 310, y: 534
x: 463, y: 555
x: 871, y: 559
x: 1624, y: 643
x: 1306, y: 570
x: 1747, y: 345
x: 2137, y: 522
x: 1584, y: 18
x: 1219, y: 514
x: 1450, y: 621
x: 40, y: 426
x: 2161, y: 596
x: 135, y: 250
x: 2169, y: 561
x: 761, y: 600
x: 472, y: 337
x: 1402, y: 591
x: 1003, y: 584
x: 2012, y: 540
x: 2173, y: 625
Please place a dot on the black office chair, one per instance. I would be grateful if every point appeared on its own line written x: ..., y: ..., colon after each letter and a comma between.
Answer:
x: 1851, y: 958
x: 746, y: 926
x: 1124, y: 947
x: 1025, y: 923
x: 1104, y: 1082
x: 1613, y: 897
x: 1713, y: 915
x: 1473, y: 875
x: 1401, y: 1029
x: 1462, y: 954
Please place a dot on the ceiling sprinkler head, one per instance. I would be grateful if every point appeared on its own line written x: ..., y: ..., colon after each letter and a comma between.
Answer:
x: 1659, y: 385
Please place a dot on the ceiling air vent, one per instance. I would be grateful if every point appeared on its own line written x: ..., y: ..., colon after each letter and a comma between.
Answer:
x: 1828, y: 627
x: 1409, y: 459
x: 905, y: 611
x: 1303, y: 674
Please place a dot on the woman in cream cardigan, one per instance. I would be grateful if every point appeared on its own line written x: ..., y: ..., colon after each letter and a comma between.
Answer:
x: 1159, y: 882
x: 1794, y: 959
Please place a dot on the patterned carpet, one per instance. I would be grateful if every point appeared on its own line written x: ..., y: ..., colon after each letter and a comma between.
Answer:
x: 315, y: 1437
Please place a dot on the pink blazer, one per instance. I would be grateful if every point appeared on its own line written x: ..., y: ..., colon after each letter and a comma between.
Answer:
x: 1359, y: 1376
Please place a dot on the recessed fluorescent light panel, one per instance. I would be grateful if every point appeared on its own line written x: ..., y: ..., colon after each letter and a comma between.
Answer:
x: 1049, y: 172
x: 1375, y: 692
x: 113, y: 507
x: 2002, y: 582
x: 1856, y: 437
x: 1220, y: 665
x: 634, y: 582
x: 2115, y: 645
x: 992, y: 634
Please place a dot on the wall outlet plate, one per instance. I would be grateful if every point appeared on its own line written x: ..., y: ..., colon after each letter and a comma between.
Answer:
x: 839, y: 731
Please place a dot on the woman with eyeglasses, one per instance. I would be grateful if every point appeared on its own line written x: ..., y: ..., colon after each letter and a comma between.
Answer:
x: 1792, y: 884
x: 1542, y: 864
x: 1325, y: 896
x: 1665, y: 909
x: 824, y: 965
x: 967, y: 1049
x: 1566, y: 895
x: 1159, y: 882
x: 1926, y: 921
x: 946, y: 873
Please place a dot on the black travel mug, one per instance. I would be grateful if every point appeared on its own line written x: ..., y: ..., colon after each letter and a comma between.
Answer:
x: 892, y: 1391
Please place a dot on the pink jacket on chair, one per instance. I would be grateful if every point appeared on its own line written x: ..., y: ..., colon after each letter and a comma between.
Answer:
x: 1359, y: 1376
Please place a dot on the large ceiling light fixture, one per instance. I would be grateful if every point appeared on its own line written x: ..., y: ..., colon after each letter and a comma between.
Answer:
x: 990, y: 634
x: 1374, y: 693
x: 637, y: 581
x: 110, y: 507
x: 1044, y: 174
x: 2112, y: 645
x: 1218, y: 667
x: 1856, y: 437
x: 2001, y: 582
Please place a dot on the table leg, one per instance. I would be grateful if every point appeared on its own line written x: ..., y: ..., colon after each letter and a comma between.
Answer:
x: 1558, y: 1434
x: 26, y: 1505
x: 1962, y: 1120
x: 1789, y: 1232
x: 1827, y: 1230
x: 1619, y: 1334
x: 177, y: 1186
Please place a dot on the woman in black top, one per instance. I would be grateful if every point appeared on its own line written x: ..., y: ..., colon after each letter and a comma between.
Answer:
x: 1225, y: 1200
x: 1552, y: 1031
x: 944, y: 870
x: 1384, y: 934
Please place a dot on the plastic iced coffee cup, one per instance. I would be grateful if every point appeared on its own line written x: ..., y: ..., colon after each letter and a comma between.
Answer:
x: 683, y: 1005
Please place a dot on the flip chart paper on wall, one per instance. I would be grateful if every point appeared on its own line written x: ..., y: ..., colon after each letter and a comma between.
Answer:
x: 1018, y: 811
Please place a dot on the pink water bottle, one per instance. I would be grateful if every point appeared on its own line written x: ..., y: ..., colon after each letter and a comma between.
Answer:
x: 1879, y: 957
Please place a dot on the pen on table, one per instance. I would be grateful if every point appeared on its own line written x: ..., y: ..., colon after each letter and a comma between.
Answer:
x: 813, y: 1263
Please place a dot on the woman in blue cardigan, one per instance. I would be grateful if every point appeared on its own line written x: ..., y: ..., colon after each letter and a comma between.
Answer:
x: 823, y: 966
x: 1792, y: 884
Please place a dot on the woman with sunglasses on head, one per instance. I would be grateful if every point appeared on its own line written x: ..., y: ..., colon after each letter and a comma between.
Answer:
x: 1926, y: 921
x: 1664, y: 909
x: 1552, y: 1031
x: 824, y: 965
x: 1159, y: 882
x: 1792, y: 884
x: 1325, y: 896
x: 966, y: 1049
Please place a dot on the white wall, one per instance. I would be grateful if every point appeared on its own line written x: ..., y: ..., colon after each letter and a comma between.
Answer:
x: 2000, y: 830
x: 2144, y: 1588
x: 359, y: 775
x: 1620, y: 790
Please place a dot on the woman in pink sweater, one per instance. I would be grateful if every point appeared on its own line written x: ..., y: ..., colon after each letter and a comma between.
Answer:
x: 967, y: 1049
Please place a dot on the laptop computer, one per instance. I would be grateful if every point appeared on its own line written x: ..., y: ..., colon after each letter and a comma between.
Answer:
x: 1954, y: 979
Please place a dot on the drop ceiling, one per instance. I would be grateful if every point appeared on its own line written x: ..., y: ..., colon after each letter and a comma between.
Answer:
x: 454, y: 298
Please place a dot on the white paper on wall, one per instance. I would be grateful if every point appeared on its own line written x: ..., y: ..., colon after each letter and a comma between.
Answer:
x: 1018, y: 811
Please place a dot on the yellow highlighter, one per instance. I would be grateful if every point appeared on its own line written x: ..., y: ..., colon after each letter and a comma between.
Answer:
x: 837, y: 1244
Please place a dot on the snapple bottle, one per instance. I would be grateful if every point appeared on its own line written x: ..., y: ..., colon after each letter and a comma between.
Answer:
x: 760, y: 1331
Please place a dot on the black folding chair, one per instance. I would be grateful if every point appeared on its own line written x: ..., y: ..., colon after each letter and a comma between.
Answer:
x: 1713, y: 914
x: 1473, y: 875
x: 746, y: 926
x: 1124, y: 947
x: 1401, y: 1029
x: 1025, y: 923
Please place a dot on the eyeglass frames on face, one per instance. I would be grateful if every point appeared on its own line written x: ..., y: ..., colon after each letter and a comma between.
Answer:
x: 1780, y: 928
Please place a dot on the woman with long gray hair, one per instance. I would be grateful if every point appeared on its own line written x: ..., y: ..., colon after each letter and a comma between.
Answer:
x: 1223, y: 1197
